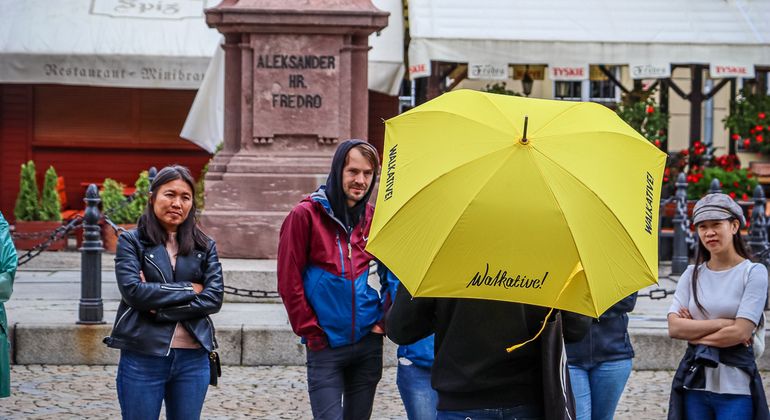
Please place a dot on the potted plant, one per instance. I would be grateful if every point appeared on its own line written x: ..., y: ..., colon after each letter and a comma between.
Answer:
x: 736, y: 182
x: 36, y: 218
x: 639, y: 110
x: 750, y: 122
x: 121, y: 210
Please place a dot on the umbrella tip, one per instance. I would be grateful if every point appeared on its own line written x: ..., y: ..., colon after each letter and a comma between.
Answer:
x: 524, y: 139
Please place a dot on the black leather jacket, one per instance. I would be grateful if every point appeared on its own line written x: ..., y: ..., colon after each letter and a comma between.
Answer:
x: 168, y: 292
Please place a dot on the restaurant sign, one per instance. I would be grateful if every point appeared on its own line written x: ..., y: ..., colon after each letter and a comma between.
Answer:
x: 148, y: 9
x: 568, y: 73
x: 488, y: 71
x: 650, y: 70
x: 720, y: 71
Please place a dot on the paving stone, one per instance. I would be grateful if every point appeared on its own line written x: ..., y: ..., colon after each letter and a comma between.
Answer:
x: 44, y: 391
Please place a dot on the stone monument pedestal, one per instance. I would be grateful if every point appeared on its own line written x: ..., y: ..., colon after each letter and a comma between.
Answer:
x: 295, y: 86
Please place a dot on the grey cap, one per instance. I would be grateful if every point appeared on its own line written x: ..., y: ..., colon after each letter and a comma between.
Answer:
x: 717, y: 207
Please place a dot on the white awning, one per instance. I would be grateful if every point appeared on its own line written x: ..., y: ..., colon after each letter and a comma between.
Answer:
x: 205, y: 122
x: 105, y: 43
x: 567, y: 32
x: 130, y: 43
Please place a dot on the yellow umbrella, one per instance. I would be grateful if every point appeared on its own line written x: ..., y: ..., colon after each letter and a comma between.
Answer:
x: 549, y: 203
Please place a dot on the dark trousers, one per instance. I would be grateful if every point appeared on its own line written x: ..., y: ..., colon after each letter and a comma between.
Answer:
x: 342, y: 381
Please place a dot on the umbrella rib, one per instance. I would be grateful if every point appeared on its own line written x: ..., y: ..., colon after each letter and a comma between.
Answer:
x: 566, y: 221
x: 636, y: 247
x: 460, y: 213
x: 505, y: 117
x: 594, y: 132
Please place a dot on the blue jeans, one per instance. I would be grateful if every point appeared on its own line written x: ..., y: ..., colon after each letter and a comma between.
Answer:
x: 597, y: 390
x: 704, y: 405
x: 419, y: 397
x: 342, y: 381
x: 181, y: 379
x: 522, y: 412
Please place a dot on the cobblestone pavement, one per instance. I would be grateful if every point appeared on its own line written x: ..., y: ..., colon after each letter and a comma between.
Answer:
x: 57, y: 392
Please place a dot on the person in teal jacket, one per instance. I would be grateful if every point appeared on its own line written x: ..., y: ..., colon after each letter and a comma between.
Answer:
x: 8, y: 262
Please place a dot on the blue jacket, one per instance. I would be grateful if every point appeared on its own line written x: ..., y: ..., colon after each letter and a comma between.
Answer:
x: 323, y: 272
x: 606, y: 340
x: 421, y: 352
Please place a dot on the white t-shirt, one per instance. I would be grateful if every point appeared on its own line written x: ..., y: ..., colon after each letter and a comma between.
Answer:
x: 723, y: 295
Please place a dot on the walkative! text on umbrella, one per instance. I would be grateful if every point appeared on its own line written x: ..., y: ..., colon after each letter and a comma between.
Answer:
x: 502, y: 280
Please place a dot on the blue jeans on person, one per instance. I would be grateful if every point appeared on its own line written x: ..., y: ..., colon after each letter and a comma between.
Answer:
x: 597, y: 390
x: 418, y: 395
x: 522, y: 412
x: 705, y: 405
x: 181, y: 379
x: 342, y: 381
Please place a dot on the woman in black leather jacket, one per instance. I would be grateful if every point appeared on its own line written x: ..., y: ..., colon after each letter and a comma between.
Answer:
x: 170, y: 280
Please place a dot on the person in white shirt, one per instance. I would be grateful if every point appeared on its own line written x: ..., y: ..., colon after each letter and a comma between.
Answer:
x: 718, y: 303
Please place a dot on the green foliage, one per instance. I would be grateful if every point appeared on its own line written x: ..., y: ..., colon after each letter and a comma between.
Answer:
x: 141, y: 196
x: 639, y: 110
x: 750, y: 123
x: 27, y: 208
x: 114, y: 204
x: 500, y: 88
x: 737, y: 183
x: 50, y: 205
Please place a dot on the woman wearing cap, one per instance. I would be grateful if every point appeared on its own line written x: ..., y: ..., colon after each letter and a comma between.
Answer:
x: 718, y: 303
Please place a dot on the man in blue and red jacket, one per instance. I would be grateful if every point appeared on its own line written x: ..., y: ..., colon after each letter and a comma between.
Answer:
x: 323, y: 273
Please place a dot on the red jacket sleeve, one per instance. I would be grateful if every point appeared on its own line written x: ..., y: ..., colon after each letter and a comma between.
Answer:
x: 293, y: 250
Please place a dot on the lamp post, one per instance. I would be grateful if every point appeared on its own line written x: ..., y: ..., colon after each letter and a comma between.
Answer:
x: 526, y: 82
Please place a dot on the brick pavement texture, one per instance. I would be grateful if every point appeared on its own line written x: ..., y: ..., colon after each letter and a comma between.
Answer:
x: 273, y: 392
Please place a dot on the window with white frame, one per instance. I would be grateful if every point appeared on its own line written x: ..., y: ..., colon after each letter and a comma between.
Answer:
x: 602, y: 91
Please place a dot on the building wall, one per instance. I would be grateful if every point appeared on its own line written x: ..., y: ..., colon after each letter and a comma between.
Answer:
x: 91, y: 133
x: 381, y: 107
x: 679, y: 109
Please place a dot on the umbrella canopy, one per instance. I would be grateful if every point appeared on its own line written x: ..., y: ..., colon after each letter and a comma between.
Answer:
x: 564, y: 217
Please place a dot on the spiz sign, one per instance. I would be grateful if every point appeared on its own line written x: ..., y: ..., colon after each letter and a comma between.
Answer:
x: 568, y: 73
x: 720, y: 71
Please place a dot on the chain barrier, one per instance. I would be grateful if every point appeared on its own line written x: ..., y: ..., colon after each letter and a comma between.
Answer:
x: 254, y: 294
x: 265, y: 294
x: 118, y: 229
x: 59, y: 233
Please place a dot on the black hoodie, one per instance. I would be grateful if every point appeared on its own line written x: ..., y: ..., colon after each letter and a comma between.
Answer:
x: 350, y: 216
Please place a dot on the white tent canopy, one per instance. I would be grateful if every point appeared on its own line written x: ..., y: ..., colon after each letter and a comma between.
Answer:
x: 144, y: 44
x: 567, y: 32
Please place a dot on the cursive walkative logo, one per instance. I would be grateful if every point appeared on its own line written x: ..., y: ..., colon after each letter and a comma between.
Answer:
x: 501, y: 279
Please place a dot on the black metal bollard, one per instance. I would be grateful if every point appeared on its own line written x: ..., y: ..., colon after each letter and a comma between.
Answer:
x: 152, y: 173
x: 91, y: 309
x: 758, y: 227
x: 679, y: 256
x: 715, y: 186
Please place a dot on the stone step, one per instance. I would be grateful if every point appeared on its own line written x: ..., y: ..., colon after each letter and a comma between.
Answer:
x: 71, y: 344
